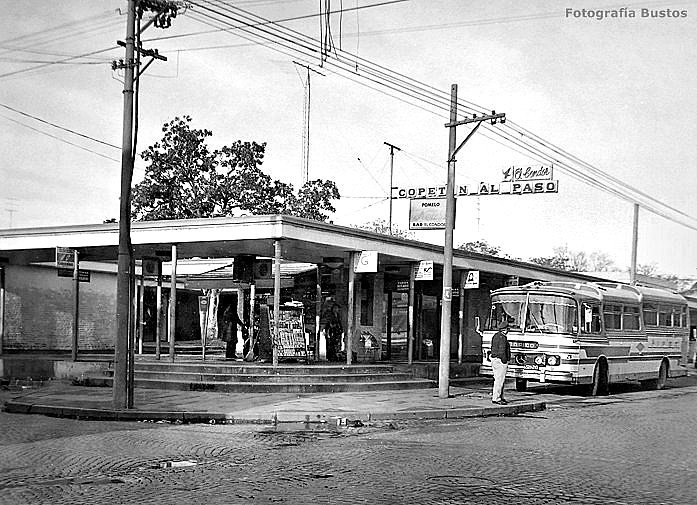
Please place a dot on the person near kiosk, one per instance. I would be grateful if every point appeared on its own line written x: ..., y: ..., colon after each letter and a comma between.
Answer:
x: 230, y: 322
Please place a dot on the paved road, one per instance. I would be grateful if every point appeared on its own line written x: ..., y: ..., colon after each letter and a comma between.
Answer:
x: 631, y: 448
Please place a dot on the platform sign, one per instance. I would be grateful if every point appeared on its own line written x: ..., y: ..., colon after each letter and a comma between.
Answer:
x: 65, y: 257
x: 367, y: 261
x: 82, y: 275
x: 472, y: 280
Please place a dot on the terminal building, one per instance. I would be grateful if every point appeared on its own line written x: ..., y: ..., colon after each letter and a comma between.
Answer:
x: 386, y: 292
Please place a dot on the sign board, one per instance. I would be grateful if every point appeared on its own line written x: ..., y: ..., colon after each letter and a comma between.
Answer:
x: 427, y: 214
x: 402, y: 286
x: 472, y: 280
x: 65, y: 257
x: 423, y: 271
x: 523, y: 180
x: 82, y: 275
x: 203, y: 315
x: 151, y: 267
x: 367, y: 262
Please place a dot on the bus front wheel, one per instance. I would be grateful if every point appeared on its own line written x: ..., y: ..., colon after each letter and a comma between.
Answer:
x: 599, y: 387
x: 521, y: 385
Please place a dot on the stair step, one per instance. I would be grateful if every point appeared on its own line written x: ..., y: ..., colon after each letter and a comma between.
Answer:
x: 261, y: 369
x: 266, y: 387
x: 275, y: 378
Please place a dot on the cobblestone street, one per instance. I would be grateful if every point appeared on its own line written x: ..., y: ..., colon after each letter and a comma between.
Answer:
x: 631, y: 448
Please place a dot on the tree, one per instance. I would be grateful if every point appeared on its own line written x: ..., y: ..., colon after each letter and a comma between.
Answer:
x: 601, y: 262
x: 481, y: 247
x: 381, y: 226
x: 184, y: 179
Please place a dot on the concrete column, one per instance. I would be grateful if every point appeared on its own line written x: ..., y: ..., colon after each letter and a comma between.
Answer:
x: 276, y: 296
x: 158, y: 315
x: 76, y: 304
x: 252, y: 294
x: 173, y: 302
x: 350, y: 323
x: 141, y: 312
x: 318, y: 313
x: 2, y: 307
x: 410, y: 316
x: 461, y: 321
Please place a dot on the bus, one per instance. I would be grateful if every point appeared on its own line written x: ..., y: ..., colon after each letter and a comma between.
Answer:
x: 589, y: 333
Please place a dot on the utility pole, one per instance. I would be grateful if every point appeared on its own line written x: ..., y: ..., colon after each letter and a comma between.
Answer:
x: 120, y: 387
x: 305, y: 169
x: 446, y: 309
x: 164, y: 11
x: 392, y: 148
x: 635, y: 241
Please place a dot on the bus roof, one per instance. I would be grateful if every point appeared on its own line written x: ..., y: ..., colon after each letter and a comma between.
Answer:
x: 599, y: 291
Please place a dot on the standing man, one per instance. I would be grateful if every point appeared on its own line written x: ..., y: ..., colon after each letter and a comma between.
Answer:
x: 230, y: 322
x: 500, y: 354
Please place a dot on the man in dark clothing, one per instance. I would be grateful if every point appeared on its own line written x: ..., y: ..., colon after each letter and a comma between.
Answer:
x: 500, y: 355
x: 230, y: 322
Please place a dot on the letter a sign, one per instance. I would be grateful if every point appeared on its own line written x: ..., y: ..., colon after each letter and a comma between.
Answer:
x: 472, y: 280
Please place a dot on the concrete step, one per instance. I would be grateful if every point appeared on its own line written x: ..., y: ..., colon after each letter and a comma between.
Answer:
x: 276, y: 378
x: 266, y: 387
x: 235, y: 368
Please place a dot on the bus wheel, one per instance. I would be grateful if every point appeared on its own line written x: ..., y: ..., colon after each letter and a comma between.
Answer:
x: 521, y: 385
x: 599, y: 387
x: 660, y: 382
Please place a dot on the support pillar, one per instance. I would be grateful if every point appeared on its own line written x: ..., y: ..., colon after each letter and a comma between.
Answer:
x: 410, y: 315
x: 350, y: 323
x: 461, y: 320
x: 158, y: 315
x: 318, y: 313
x: 76, y: 304
x: 2, y: 307
x: 173, y: 302
x: 276, y: 296
x: 141, y: 312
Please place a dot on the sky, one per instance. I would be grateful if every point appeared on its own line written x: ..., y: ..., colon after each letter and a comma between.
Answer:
x: 618, y: 93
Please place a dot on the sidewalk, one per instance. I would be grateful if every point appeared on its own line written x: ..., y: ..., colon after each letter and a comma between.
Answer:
x: 467, y: 399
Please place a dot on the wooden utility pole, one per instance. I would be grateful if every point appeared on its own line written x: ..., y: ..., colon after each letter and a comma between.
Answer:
x: 446, y: 309
x: 120, y: 388
x: 635, y: 242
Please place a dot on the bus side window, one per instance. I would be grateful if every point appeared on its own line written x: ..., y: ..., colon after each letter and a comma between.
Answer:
x: 591, y: 318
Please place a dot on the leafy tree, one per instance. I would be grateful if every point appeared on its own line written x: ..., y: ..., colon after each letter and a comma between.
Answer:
x: 601, y: 262
x: 646, y: 269
x: 185, y: 179
x: 381, y: 226
x: 481, y: 247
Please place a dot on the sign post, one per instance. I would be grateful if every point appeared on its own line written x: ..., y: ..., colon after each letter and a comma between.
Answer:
x: 203, y: 319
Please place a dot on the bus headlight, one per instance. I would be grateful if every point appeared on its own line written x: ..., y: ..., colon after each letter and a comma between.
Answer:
x: 553, y: 360
x: 539, y: 360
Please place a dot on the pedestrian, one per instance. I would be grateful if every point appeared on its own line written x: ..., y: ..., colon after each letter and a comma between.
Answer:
x: 230, y: 322
x: 500, y: 355
x: 333, y: 330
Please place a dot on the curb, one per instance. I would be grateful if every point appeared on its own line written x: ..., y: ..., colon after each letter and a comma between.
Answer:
x: 182, y: 417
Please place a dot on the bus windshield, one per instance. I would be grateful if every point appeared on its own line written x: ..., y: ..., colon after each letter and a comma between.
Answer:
x: 551, y: 314
x: 509, y: 308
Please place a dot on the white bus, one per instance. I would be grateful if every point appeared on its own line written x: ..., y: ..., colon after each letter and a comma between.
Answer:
x: 589, y: 333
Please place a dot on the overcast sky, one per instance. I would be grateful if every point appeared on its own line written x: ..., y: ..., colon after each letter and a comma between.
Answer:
x: 617, y: 92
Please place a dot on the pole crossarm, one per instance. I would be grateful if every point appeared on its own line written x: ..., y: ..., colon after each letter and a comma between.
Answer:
x: 493, y: 117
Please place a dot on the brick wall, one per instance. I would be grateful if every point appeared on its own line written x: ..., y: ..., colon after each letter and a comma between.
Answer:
x: 39, y: 310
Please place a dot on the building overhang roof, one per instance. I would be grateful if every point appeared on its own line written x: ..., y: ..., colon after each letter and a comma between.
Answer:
x: 302, y: 240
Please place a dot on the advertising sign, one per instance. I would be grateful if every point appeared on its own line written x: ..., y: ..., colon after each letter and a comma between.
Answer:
x: 423, y: 271
x: 82, y: 275
x: 367, y: 262
x: 65, y: 257
x: 427, y: 214
x: 472, y: 280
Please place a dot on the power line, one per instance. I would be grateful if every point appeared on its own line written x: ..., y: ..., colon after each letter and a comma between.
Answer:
x: 58, y: 126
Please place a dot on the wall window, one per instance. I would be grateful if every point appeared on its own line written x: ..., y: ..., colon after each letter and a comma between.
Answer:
x: 650, y: 314
x: 665, y: 315
x: 630, y: 318
x: 612, y: 317
x: 591, y: 318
